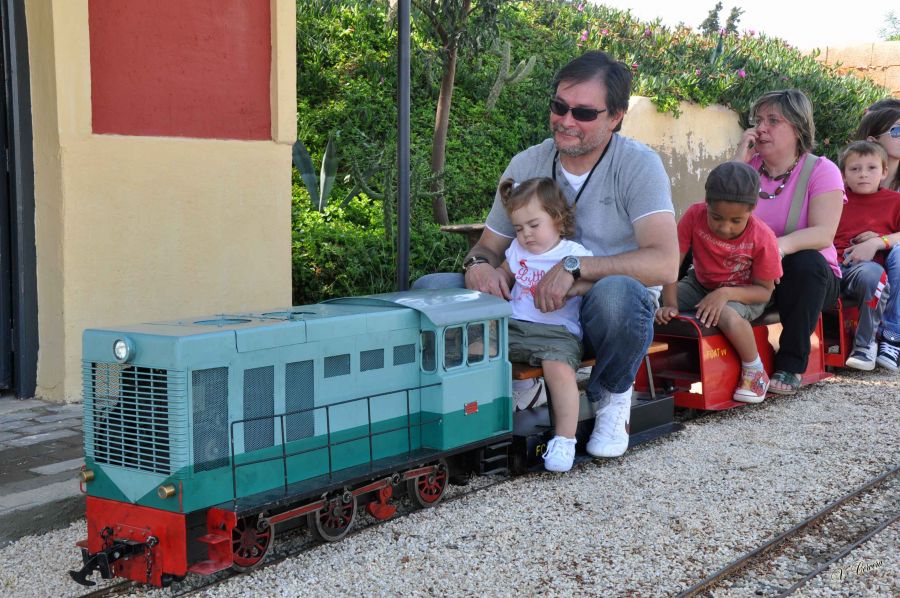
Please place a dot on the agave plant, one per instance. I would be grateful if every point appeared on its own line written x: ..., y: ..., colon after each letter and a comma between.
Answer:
x: 318, y: 185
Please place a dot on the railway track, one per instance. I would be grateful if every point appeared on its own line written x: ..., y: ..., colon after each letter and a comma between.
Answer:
x: 812, y: 547
x: 746, y: 570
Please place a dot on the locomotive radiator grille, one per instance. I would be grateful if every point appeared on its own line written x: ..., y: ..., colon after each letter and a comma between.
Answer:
x: 127, y: 416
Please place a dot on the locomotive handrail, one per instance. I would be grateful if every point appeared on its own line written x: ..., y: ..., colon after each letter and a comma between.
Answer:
x: 329, y: 444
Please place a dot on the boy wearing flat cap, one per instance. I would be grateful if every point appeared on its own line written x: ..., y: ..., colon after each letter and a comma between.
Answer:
x: 736, y: 264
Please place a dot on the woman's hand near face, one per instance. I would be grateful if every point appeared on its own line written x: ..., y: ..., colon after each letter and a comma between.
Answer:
x: 745, y: 147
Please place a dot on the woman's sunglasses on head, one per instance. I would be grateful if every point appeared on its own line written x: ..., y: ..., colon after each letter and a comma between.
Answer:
x: 580, y: 114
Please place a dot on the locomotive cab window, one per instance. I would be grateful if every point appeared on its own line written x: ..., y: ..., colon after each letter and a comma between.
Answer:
x: 475, y: 343
x: 494, y: 338
x: 453, y: 347
x: 428, y: 351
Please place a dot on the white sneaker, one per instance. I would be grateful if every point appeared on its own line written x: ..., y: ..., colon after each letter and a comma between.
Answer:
x: 863, y: 358
x: 610, y: 435
x: 531, y: 397
x: 560, y: 454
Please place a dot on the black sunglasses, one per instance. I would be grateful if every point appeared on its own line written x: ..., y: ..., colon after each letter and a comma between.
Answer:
x: 580, y: 114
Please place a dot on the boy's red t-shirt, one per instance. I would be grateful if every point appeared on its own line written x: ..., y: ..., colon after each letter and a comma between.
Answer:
x: 729, y: 263
x: 878, y: 212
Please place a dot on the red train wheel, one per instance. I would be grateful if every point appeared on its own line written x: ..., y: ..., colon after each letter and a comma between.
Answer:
x: 251, y: 539
x: 427, y: 490
x: 332, y: 522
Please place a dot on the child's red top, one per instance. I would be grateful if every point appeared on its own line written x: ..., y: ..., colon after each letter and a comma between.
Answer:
x: 729, y: 262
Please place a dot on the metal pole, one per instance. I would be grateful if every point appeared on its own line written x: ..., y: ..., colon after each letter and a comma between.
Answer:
x: 403, y: 102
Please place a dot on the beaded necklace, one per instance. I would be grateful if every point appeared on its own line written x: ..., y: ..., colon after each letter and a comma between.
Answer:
x: 781, y: 177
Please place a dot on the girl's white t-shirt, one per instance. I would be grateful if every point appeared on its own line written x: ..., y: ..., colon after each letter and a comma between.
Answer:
x: 528, y: 269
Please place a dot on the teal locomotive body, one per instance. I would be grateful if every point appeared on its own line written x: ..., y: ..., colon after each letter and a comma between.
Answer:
x: 202, y: 434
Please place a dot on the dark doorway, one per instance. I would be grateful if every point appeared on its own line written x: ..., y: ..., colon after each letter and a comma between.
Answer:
x: 18, y: 279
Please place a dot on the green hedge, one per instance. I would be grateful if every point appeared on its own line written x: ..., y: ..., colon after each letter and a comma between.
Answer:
x: 346, y: 80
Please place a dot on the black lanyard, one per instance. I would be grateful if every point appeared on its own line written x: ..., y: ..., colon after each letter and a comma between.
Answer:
x: 588, y: 179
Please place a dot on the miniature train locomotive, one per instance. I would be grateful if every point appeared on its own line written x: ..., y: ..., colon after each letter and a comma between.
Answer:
x: 202, y: 435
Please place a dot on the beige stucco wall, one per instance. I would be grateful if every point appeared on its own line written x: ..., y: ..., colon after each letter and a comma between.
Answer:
x: 878, y: 61
x: 690, y: 145
x: 143, y: 228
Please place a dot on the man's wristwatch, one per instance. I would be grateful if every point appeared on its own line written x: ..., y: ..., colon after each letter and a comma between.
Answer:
x: 474, y: 261
x: 572, y: 265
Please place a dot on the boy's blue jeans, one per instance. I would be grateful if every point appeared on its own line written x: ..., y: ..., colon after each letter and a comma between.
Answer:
x: 860, y: 281
x: 890, y: 324
x: 617, y: 320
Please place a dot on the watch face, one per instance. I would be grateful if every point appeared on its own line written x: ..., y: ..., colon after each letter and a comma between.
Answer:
x: 571, y: 263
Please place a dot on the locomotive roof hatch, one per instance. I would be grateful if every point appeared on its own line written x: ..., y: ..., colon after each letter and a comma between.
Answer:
x: 442, y: 306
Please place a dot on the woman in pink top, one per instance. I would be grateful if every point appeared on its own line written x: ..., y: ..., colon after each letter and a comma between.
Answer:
x: 778, y: 145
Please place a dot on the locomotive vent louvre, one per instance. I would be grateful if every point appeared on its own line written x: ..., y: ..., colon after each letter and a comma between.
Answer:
x: 127, y: 415
x: 209, y: 397
x: 337, y: 365
x: 404, y: 354
x: 299, y: 390
x: 371, y: 360
x: 259, y: 401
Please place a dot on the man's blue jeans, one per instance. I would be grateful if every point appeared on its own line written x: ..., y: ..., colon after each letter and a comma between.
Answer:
x: 617, y: 318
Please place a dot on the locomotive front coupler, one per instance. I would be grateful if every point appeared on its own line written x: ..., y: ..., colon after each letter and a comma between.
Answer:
x: 102, y: 560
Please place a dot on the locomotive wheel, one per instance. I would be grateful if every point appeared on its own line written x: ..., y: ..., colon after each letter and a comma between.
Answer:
x: 332, y: 522
x: 427, y: 490
x: 251, y: 539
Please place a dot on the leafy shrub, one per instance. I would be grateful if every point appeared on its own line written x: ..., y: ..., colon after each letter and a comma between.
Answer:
x: 346, y: 81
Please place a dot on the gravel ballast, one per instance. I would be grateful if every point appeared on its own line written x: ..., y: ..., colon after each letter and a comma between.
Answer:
x: 651, y: 523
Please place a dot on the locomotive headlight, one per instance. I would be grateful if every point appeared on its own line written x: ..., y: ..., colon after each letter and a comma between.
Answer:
x: 123, y: 350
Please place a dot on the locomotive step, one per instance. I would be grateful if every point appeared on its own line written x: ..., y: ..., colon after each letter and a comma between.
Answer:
x: 214, y: 539
x: 208, y: 567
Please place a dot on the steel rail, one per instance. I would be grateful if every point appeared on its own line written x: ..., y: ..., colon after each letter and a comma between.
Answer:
x: 754, y: 555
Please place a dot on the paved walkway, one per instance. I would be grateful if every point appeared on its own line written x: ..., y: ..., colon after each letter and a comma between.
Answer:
x: 40, y: 455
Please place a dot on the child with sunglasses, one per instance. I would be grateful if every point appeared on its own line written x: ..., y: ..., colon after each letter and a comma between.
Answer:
x: 541, y: 219
x: 882, y: 126
x: 736, y: 263
x: 866, y: 241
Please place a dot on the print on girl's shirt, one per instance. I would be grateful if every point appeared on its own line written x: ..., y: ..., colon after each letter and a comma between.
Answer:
x: 528, y: 278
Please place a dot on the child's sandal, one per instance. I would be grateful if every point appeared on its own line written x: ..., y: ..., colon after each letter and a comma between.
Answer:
x: 791, y: 381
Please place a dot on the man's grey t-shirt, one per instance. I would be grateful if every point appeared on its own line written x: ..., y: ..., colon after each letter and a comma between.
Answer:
x: 628, y: 184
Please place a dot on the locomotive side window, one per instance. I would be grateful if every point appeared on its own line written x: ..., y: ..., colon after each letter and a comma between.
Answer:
x: 494, y: 337
x: 404, y: 354
x: 428, y: 350
x: 337, y: 365
x: 453, y: 347
x: 475, y: 340
x: 371, y: 360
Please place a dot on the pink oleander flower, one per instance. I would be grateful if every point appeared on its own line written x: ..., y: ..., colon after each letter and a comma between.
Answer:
x: 697, y: 72
x: 584, y: 35
x: 604, y: 32
x: 742, y: 73
x: 581, y: 7
x: 634, y: 66
x: 751, y: 32
x: 647, y: 32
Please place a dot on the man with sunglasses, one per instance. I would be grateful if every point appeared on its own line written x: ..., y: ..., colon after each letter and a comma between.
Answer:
x: 623, y: 214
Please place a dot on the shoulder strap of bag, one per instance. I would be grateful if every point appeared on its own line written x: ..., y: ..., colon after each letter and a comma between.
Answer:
x: 800, y: 194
